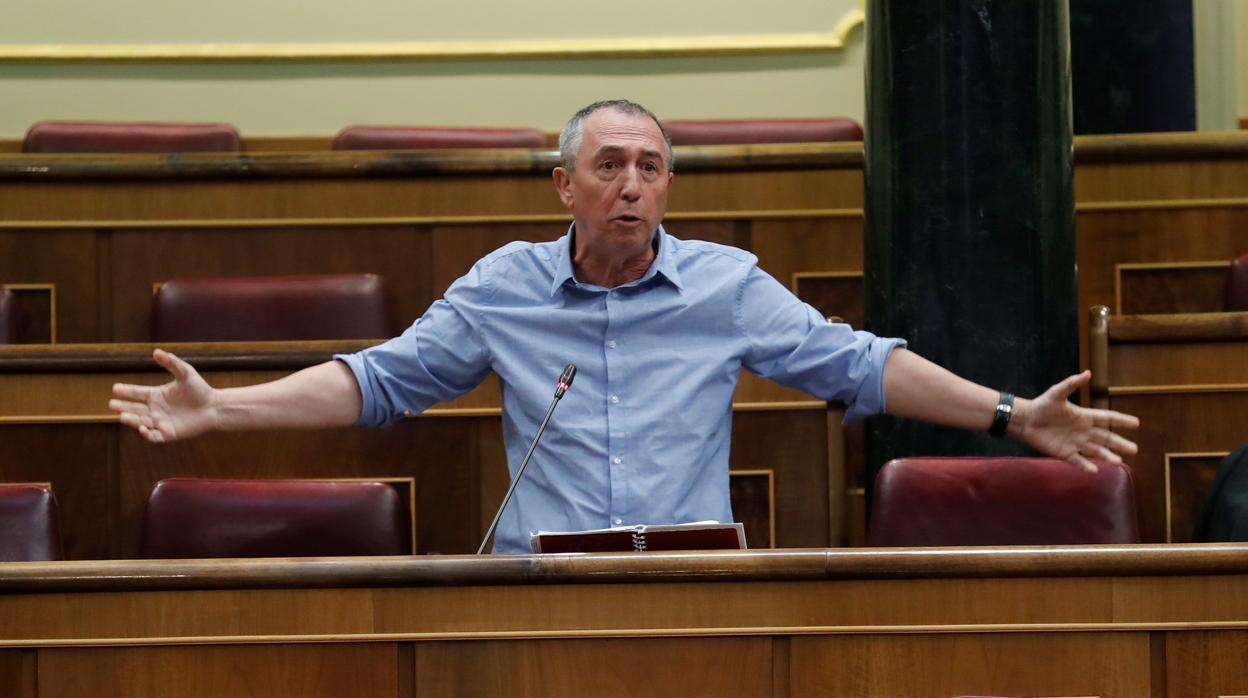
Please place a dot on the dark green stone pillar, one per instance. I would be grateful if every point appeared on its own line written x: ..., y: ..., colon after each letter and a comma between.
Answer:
x: 970, y: 248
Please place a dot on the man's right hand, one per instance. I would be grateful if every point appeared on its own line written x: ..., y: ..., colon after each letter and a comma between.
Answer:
x: 179, y: 409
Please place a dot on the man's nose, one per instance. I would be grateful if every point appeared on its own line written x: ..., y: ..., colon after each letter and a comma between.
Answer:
x: 630, y: 184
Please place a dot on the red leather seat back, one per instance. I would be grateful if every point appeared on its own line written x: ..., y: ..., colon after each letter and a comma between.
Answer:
x: 193, y: 518
x: 29, y: 524
x: 733, y: 131
x: 1001, y: 501
x: 129, y: 137
x: 1237, y: 284
x: 274, y: 308
x: 8, y: 317
x: 429, y: 137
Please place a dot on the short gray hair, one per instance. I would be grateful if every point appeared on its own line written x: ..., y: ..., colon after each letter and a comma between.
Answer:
x: 571, y: 136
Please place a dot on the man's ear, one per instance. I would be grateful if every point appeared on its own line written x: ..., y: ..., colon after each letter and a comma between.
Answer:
x: 563, y: 185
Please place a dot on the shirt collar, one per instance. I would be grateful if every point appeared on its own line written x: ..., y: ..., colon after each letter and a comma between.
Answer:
x: 664, y: 262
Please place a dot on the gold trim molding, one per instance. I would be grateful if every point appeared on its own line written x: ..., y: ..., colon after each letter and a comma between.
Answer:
x: 435, y: 51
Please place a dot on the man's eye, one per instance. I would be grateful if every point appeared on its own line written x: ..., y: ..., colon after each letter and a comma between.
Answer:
x: 608, y: 165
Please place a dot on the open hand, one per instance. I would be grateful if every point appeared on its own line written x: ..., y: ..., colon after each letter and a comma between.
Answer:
x: 1053, y: 425
x: 179, y: 409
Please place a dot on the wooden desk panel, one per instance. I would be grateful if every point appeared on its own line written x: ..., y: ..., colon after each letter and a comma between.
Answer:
x: 1186, y: 377
x: 95, y: 225
x: 1162, y: 621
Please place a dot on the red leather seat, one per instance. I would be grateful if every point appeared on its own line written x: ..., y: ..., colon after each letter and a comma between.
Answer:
x: 274, y: 308
x: 8, y: 317
x: 1001, y: 501
x: 734, y: 131
x: 429, y: 137
x: 129, y: 137
x: 29, y: 524
x: 1237, y: 285
x: 193, y: 518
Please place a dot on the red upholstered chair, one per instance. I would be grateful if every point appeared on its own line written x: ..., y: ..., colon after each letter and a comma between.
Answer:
x: 129, y: 137
x: 1000, y: 501
x: 1237, y: 284
x: 429, y: 137
x: 29, y: 524
x: 272, y: 308
x: 193, y: 518
x: 733, y: 131
x: 8, y: 317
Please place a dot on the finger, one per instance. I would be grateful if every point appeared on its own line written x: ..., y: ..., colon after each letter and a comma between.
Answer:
x: 1115, y: 442
x: 1098, y: 451
x: 1082, y: 463
x: 136, y: 393
x: 134, y: 421
x: 1072, y: 383
x: 139, y: 408
x: 1118, y: 420
x: 152, y: 435
x: 171, y: 363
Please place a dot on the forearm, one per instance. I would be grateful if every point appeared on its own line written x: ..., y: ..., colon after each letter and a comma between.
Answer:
x: 916, y: 388
x: 325, y: 395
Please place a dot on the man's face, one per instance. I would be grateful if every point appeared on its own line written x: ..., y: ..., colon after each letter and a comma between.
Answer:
x: 618, y: 190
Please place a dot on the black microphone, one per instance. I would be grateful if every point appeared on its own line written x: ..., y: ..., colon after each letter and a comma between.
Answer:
x: 565, y: 382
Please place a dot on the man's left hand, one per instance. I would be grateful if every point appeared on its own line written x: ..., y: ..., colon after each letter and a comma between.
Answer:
x: 1053, y: 425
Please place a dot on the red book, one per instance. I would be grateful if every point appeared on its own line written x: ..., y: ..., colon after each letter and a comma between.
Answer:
x: 702, y: 535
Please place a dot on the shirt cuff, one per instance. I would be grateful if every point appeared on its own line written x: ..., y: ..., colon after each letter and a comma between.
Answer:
x: 870, y: 399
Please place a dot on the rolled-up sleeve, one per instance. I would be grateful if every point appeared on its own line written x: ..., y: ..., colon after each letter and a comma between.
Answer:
x: 440, y: 357
x: 791, y: 343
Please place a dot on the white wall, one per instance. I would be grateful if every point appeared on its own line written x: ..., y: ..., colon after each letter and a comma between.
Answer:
x: 319, y: 98
x: 1241, y: 59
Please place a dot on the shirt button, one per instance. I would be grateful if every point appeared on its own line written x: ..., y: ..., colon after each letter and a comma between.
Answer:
x: 615, y: 399
x: 611, y: 344
x: 617, y: 521
x: 617, y: 460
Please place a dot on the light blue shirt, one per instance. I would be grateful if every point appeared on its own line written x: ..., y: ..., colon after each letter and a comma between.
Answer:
x: 643, y: 434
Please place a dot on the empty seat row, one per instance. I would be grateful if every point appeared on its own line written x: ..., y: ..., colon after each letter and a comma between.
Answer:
x: 204, y: 518
x: 149, y: 137
x: 918, y: 502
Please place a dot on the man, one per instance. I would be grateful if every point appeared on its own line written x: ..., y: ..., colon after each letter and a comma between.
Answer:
x: 659, y: 329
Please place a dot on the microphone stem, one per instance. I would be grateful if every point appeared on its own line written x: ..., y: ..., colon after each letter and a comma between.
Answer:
x: 523, y: 464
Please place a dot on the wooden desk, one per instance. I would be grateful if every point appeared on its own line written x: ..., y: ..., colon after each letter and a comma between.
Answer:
x: 87, y: 235
x: 787, y: 454
x: 1107, y: 621
x: 1186, y: 377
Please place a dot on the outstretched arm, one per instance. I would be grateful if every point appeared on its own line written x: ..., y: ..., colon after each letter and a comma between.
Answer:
x: 919, y: 389
x: 325, y: 395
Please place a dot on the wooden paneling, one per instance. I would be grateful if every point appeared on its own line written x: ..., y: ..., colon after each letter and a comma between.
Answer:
x: 1110, y: 621
x: 753, y: 496
x: 80, y: 461
x: 793, y: 443
x: 838, y: 295
x: 609, y: 667
x: 328, y: 670
x: 35, y: 307
x: 68, y: 259
x: 18, y: 673
x: 1188, y: 477
x: 795, y: 245
x: 1200, y: 664
x: 1185, y: 377
x: 1177, y: 423
x: 938, y: 666
x: 1191, y: 287
x: 147, y: 256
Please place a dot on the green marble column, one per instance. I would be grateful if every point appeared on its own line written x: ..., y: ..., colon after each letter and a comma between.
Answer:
x: 970, y: 248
